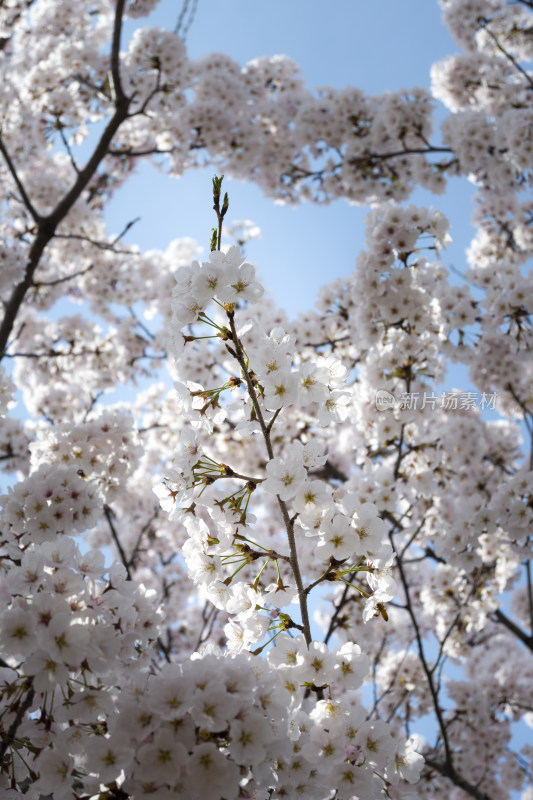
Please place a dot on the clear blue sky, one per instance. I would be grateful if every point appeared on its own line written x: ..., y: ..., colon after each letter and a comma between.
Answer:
x: 377, y: 46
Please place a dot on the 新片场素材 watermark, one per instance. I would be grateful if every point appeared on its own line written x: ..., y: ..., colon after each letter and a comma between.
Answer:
x: 449, y: 401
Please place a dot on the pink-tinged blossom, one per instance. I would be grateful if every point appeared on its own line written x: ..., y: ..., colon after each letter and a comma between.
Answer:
x: 374, y: 737
x: 64, y: 641
x: 325, y: 750
x: 284, y: 477
x: 312, y: 496
x: 337, y: 539
x: 250, y: 733
x: 184, y: 278
x: 351, y: 666
x: 169, y: 693
x: 206, y: 280
x: 243, y: 601
x: 55, y: 773
x: 371, y: 530
x: 405, y: 764
x: 333, y: 408
x: 162, y: 758
x: 17, y: 630
x: 313, y: 455
x: 240, y: 284
x: 185, y: 310
x: 312, y: 384
x: 356, y: 781
x: 288, y: 651
x: 281, y: 389
x: 210, y: 774
x: 318, y: 665
x: 108, y: 756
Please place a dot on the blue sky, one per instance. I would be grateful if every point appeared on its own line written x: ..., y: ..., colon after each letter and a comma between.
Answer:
x: 377, y: 46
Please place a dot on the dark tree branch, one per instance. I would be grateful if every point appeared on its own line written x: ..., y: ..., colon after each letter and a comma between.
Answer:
x: 47, y: 225
x: 143, y: 530
x: 344, y: 600
x: 20, y: 186
x: 114, y: 534
x: 57, y: 281
x: 103, y: 245
x: 511, y: 626
x: 120, y: 97
x: 408, y: 151
x: 55, y: 354
x: 529, y: 592
x: 182, y: 25
x: 427, y: 670
x: 447, y: 768
x: 507, y: 55
x: 466, y: 786
x: 209, y: 615
x: 152, y: 151
x: 9, y: 738
x: 67, y: 146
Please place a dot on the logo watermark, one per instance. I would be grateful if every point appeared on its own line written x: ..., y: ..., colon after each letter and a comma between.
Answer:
x: 449, y: 401
x: 384, y: 400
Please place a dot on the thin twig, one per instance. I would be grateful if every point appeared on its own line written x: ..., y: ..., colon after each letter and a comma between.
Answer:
x: 143, y: 530
x: 181, y: 18
x: 209, y: 615
x: 20, y: 186
x: 9, y: 737
x: 67, y: 146
x: 103, y: 245
x: 466, y: 786
x: 511, y: 626
x: 529, y: 594
x: 507, y: 55
x: 344, y: 600
x: 425, y: 665
x: 57, y: 281
x: 114, y: 534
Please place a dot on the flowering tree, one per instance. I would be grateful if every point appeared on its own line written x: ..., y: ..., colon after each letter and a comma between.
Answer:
x: 290, y: 460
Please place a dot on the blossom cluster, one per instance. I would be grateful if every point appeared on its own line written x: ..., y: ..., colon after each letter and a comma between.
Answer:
x: 216, y: 725
x: 334, y: 534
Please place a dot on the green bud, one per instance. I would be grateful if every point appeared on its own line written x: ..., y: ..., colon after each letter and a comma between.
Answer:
x: 225, y: 205
x: 217, y: 184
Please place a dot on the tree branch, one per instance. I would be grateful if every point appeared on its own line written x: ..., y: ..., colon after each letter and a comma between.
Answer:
x: 9, y: 738
x: 447, y: 768
x: 64, y: 279
x: 511, y: 626
x: 114, y: 534
x: 120, y: 97
x: 466, y: 786
x: 507, y: 55
x: 103, y: 245
x: 425, y: 665
x: 47, y: 225
x: 344, y: 600
x: 20, y: 186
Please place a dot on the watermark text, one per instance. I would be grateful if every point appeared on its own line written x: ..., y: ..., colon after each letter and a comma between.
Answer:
x: 449, y: 401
